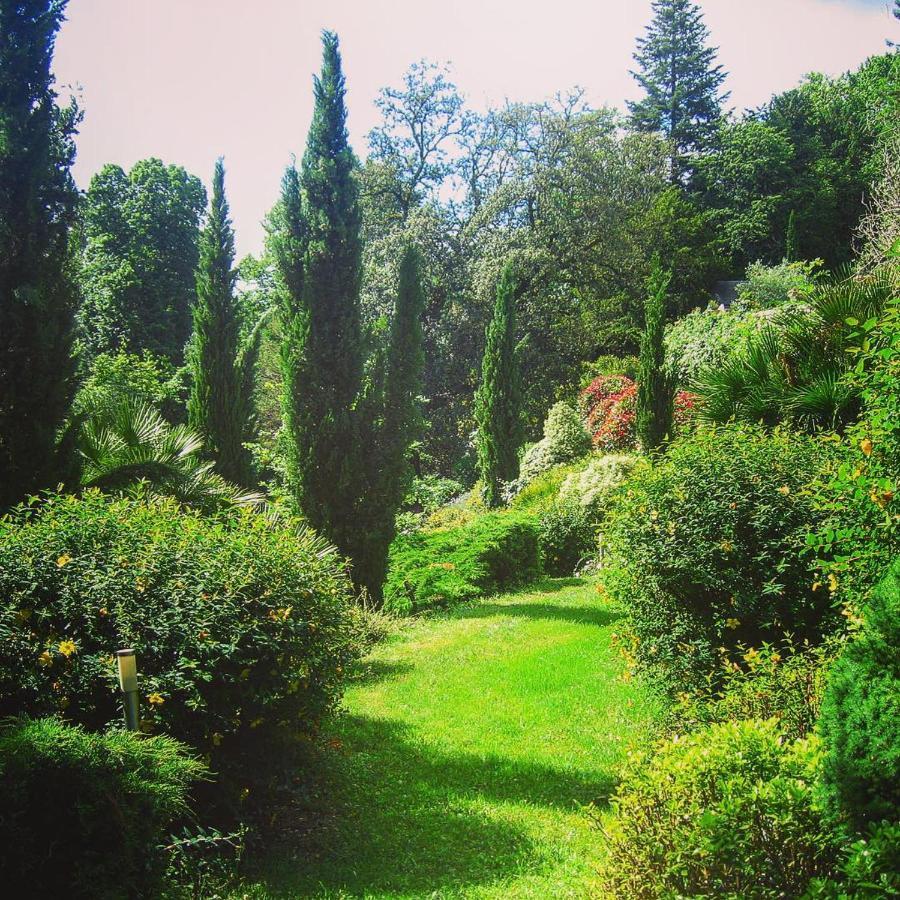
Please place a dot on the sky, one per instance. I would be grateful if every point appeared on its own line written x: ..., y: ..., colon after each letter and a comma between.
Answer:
x: 190, y: 80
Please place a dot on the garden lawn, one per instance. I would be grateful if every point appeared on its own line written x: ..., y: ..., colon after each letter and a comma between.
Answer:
x: 470, y: 745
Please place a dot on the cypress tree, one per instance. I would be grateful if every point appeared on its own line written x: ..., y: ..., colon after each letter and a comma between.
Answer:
x: 398, y: 410
x: 220, y: 403
x: 653, y: 420
x: 498, y: 401
x: 681, y: 82
x: 37, y: 207
x: 320, y: 256
x: 288, y: 242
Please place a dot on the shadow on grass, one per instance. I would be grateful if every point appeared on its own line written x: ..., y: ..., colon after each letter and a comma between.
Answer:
x: 413, y: 819
x: 371, y: 671
x: 577, y: 615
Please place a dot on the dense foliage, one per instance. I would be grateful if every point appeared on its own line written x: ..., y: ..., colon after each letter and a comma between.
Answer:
x: 707, y: 543
x: 860, y: 722
x: 437, y: 568
x: 84, y: 814
x: 726, y: 812
x: 653, y: 406
x: 242, y: 628
x: 498, y: 402
x: 137, y: 272
x: 220, y: 405
x: 37, y: 298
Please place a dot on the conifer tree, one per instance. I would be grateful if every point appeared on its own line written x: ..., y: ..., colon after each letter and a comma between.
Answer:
x: 37, y: 207
x: 320, y: 253
x: 498, y: 401
x: 653, y: 420
x: 399, y: 412
x: 681, y: 81
x: 220, y: 403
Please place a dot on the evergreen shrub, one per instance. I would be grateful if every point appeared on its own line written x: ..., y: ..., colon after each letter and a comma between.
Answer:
x: 85, y: 815
x: 437, y: 568
x: 860, y: 721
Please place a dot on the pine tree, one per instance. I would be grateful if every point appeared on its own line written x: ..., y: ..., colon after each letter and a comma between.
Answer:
x: 791, y: 239
x: 681, y: 81
x: 37, y: 207
x: 498, y: 401
x: 320, y: 252
x: 653, y: 421
x: 398, y: 409
x: 220, y: 406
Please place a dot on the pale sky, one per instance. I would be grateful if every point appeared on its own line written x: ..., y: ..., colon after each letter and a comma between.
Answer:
x: 189, y: 80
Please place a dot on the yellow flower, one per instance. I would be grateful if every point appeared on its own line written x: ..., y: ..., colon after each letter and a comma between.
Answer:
x: 140, y: 585
x: 46, y: 659
x: 732, y: 623
x: 832, y: 582
x: 866, y: 446
x: 63, y: 560
x: 816, y: 585
x: 67, y: 648
x: 280, y: 615
x: 156, y: 699
x: 784, y: 489
x: 751, y: 657
x: 726, y: 546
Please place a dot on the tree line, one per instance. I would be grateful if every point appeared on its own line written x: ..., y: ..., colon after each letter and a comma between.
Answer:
x: 452, y: 284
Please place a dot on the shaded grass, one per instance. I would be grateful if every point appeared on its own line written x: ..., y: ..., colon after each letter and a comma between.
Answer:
x: 469, y: 745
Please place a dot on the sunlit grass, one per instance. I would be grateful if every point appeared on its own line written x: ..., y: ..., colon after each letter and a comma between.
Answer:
x: 469, y: 745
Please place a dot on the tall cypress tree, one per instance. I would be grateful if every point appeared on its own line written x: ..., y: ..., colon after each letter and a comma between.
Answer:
x: 498, y: 402
x: 397, y: 408
x: 37, y: 206
x: 681, y: 81
x: 653, y: 420
x: 320, y: 256
x: 220, y: 403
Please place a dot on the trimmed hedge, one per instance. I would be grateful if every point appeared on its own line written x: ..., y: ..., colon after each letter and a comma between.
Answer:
x: 84, y: 815
x: 242, y: 628
x: 438, y: 568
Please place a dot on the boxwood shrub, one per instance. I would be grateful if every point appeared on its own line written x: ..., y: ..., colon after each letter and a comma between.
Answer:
x: 707, y: 548
x: 85, y: 815
x: 437, y: 568
x: 242, y: 627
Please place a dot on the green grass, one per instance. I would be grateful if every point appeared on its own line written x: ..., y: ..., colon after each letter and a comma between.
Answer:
x: 470, y: 744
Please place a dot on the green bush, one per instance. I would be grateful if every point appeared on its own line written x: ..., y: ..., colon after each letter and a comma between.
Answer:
x: 567, y: 536
x: 785, y: 683
x: 565, y: 440
x: 438, y: 568
x: 869, y: 870
x: 706, y: 550
x: 592, y: 486
x: 860, y: 721
x: 242, y: 627
x: 727, y: 812
x: 84, y: 815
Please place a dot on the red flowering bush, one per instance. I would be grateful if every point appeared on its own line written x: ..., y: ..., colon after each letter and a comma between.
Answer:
x: 609, y: 406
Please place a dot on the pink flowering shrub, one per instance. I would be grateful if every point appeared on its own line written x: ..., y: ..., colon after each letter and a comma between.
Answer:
x: 609, y: 404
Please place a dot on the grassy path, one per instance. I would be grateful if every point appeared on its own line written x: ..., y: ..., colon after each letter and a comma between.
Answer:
x: 469, y: 745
